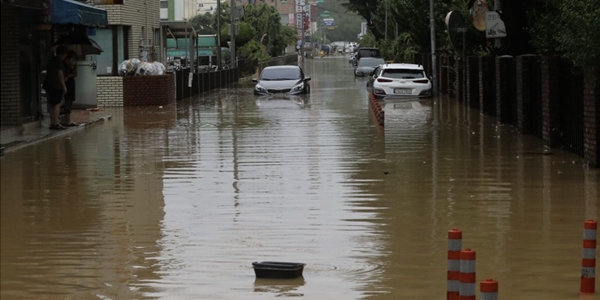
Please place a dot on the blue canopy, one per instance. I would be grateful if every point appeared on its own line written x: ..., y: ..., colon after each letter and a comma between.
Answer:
x: 70, y: 12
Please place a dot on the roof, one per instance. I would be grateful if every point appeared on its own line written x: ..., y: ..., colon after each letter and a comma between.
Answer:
x: 403, y: 66
x: 78, y: 13
x: 178, y: 29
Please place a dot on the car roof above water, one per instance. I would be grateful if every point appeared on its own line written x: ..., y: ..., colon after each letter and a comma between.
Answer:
x: 282, y: 67
x: 403, y: 66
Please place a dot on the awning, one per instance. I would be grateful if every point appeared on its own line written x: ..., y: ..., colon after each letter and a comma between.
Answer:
x: 70, y: 12
x: 31, y: 4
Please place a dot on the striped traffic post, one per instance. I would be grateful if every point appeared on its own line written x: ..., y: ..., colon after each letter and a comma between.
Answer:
x: 488, y: 289
x: 454, y: 247
x: 467, y: 275
x: 588, y: 263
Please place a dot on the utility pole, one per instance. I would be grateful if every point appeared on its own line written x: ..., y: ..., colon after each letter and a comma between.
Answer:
x: 386, y: 23
x: 433, y: 48
x: 233, y: 56
x: 218, y: 34
x: 303, y: 38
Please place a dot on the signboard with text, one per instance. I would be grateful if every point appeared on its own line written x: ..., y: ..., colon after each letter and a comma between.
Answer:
x: 494, y: 26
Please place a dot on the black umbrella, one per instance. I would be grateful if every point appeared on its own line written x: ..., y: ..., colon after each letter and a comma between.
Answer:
x: 82, y: 44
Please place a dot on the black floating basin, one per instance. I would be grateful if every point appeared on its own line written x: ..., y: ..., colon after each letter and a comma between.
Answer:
x: 274, y: 269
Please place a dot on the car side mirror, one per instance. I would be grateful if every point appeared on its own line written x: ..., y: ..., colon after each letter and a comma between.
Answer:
x: 306, y: 78
x: 254, y: 80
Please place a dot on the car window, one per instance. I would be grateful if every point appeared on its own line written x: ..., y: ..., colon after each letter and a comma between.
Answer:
x: 403, y: 73
x: 369, y: 53
x: 280, y: 74
x: 370, y: 62
x: 376, y: 71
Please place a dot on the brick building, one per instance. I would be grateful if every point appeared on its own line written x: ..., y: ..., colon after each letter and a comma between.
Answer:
x: 133, y: 32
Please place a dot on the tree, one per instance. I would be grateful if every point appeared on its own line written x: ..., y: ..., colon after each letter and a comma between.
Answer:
x: 244, y: 34
x: 568, y: 28
x: 368, y: 10
x: 265, y: 19
x: 204, y: 23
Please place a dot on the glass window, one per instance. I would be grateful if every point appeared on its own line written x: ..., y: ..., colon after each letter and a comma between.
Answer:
x: 403, y: 73
x: 281, y: 74
x: 164, y: 4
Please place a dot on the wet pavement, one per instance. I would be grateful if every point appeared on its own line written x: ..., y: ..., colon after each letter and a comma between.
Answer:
x: 177, y: 202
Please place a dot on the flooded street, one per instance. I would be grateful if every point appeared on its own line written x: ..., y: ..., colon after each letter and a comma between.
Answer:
x: 177, y: 202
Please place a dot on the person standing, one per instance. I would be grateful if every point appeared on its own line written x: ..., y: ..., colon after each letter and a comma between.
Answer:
x: 70, y: 74
x: 55, y: 86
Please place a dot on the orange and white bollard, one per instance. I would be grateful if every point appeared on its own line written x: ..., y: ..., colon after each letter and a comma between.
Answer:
x: 467, y: 275
x: 588, y: 263
x: 454, y: 247
x: 488, y: 289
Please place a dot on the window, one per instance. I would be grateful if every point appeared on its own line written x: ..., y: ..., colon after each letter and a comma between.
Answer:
x: 403, y: 73
x: 164, y: 4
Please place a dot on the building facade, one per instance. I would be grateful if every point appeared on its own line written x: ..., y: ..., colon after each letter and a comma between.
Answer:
x: 133, y: 32
x: 29, y: 29
x: 183, y: 10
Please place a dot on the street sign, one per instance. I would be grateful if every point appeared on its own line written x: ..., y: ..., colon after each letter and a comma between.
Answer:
x: 328, y: 22
x: 494, y: 26
x: 238, y: 12
x: 299, y: 20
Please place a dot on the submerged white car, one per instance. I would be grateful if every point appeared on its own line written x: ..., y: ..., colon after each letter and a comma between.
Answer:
x: 398, y: 80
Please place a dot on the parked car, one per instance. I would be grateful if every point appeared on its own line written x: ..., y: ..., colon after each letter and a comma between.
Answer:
x: 351, y: 59
x: 366, y: 52
x: 392, y: 80
x: 366, y: 66
x: 281, y: 79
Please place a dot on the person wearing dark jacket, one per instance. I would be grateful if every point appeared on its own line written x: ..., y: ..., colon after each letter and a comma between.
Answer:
x: 70, y: 74
x: 55, y: 85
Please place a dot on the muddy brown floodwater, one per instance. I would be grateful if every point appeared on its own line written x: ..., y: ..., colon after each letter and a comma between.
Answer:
x: 177, y: 202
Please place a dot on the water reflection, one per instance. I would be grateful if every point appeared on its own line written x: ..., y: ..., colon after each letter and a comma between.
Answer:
x: 81, y: 216
x: 279, y: 287
x: 177, y: 201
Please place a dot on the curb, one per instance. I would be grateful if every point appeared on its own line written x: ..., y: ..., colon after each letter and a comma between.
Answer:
x: 44, y: 137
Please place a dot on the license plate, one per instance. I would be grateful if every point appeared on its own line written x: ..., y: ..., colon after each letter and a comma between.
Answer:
x: 402, y: 91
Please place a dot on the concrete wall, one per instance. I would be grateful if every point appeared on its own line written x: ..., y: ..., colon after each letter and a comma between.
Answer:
x: 117, y: 91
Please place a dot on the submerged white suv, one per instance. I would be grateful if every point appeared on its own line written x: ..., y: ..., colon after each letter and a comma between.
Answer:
x: 397, y: 80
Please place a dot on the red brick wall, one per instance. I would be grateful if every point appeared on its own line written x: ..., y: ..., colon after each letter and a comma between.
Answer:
x: 148, y: 90
x: 591, y: 119
x: 443, y: 74
x: 550, y: 100
x: 451, y: 76
x: 472, y: 77
x: 487, y: 77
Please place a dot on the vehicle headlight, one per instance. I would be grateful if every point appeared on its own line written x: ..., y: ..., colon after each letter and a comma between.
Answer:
x: 298, y: 87
x: 259, y: 88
